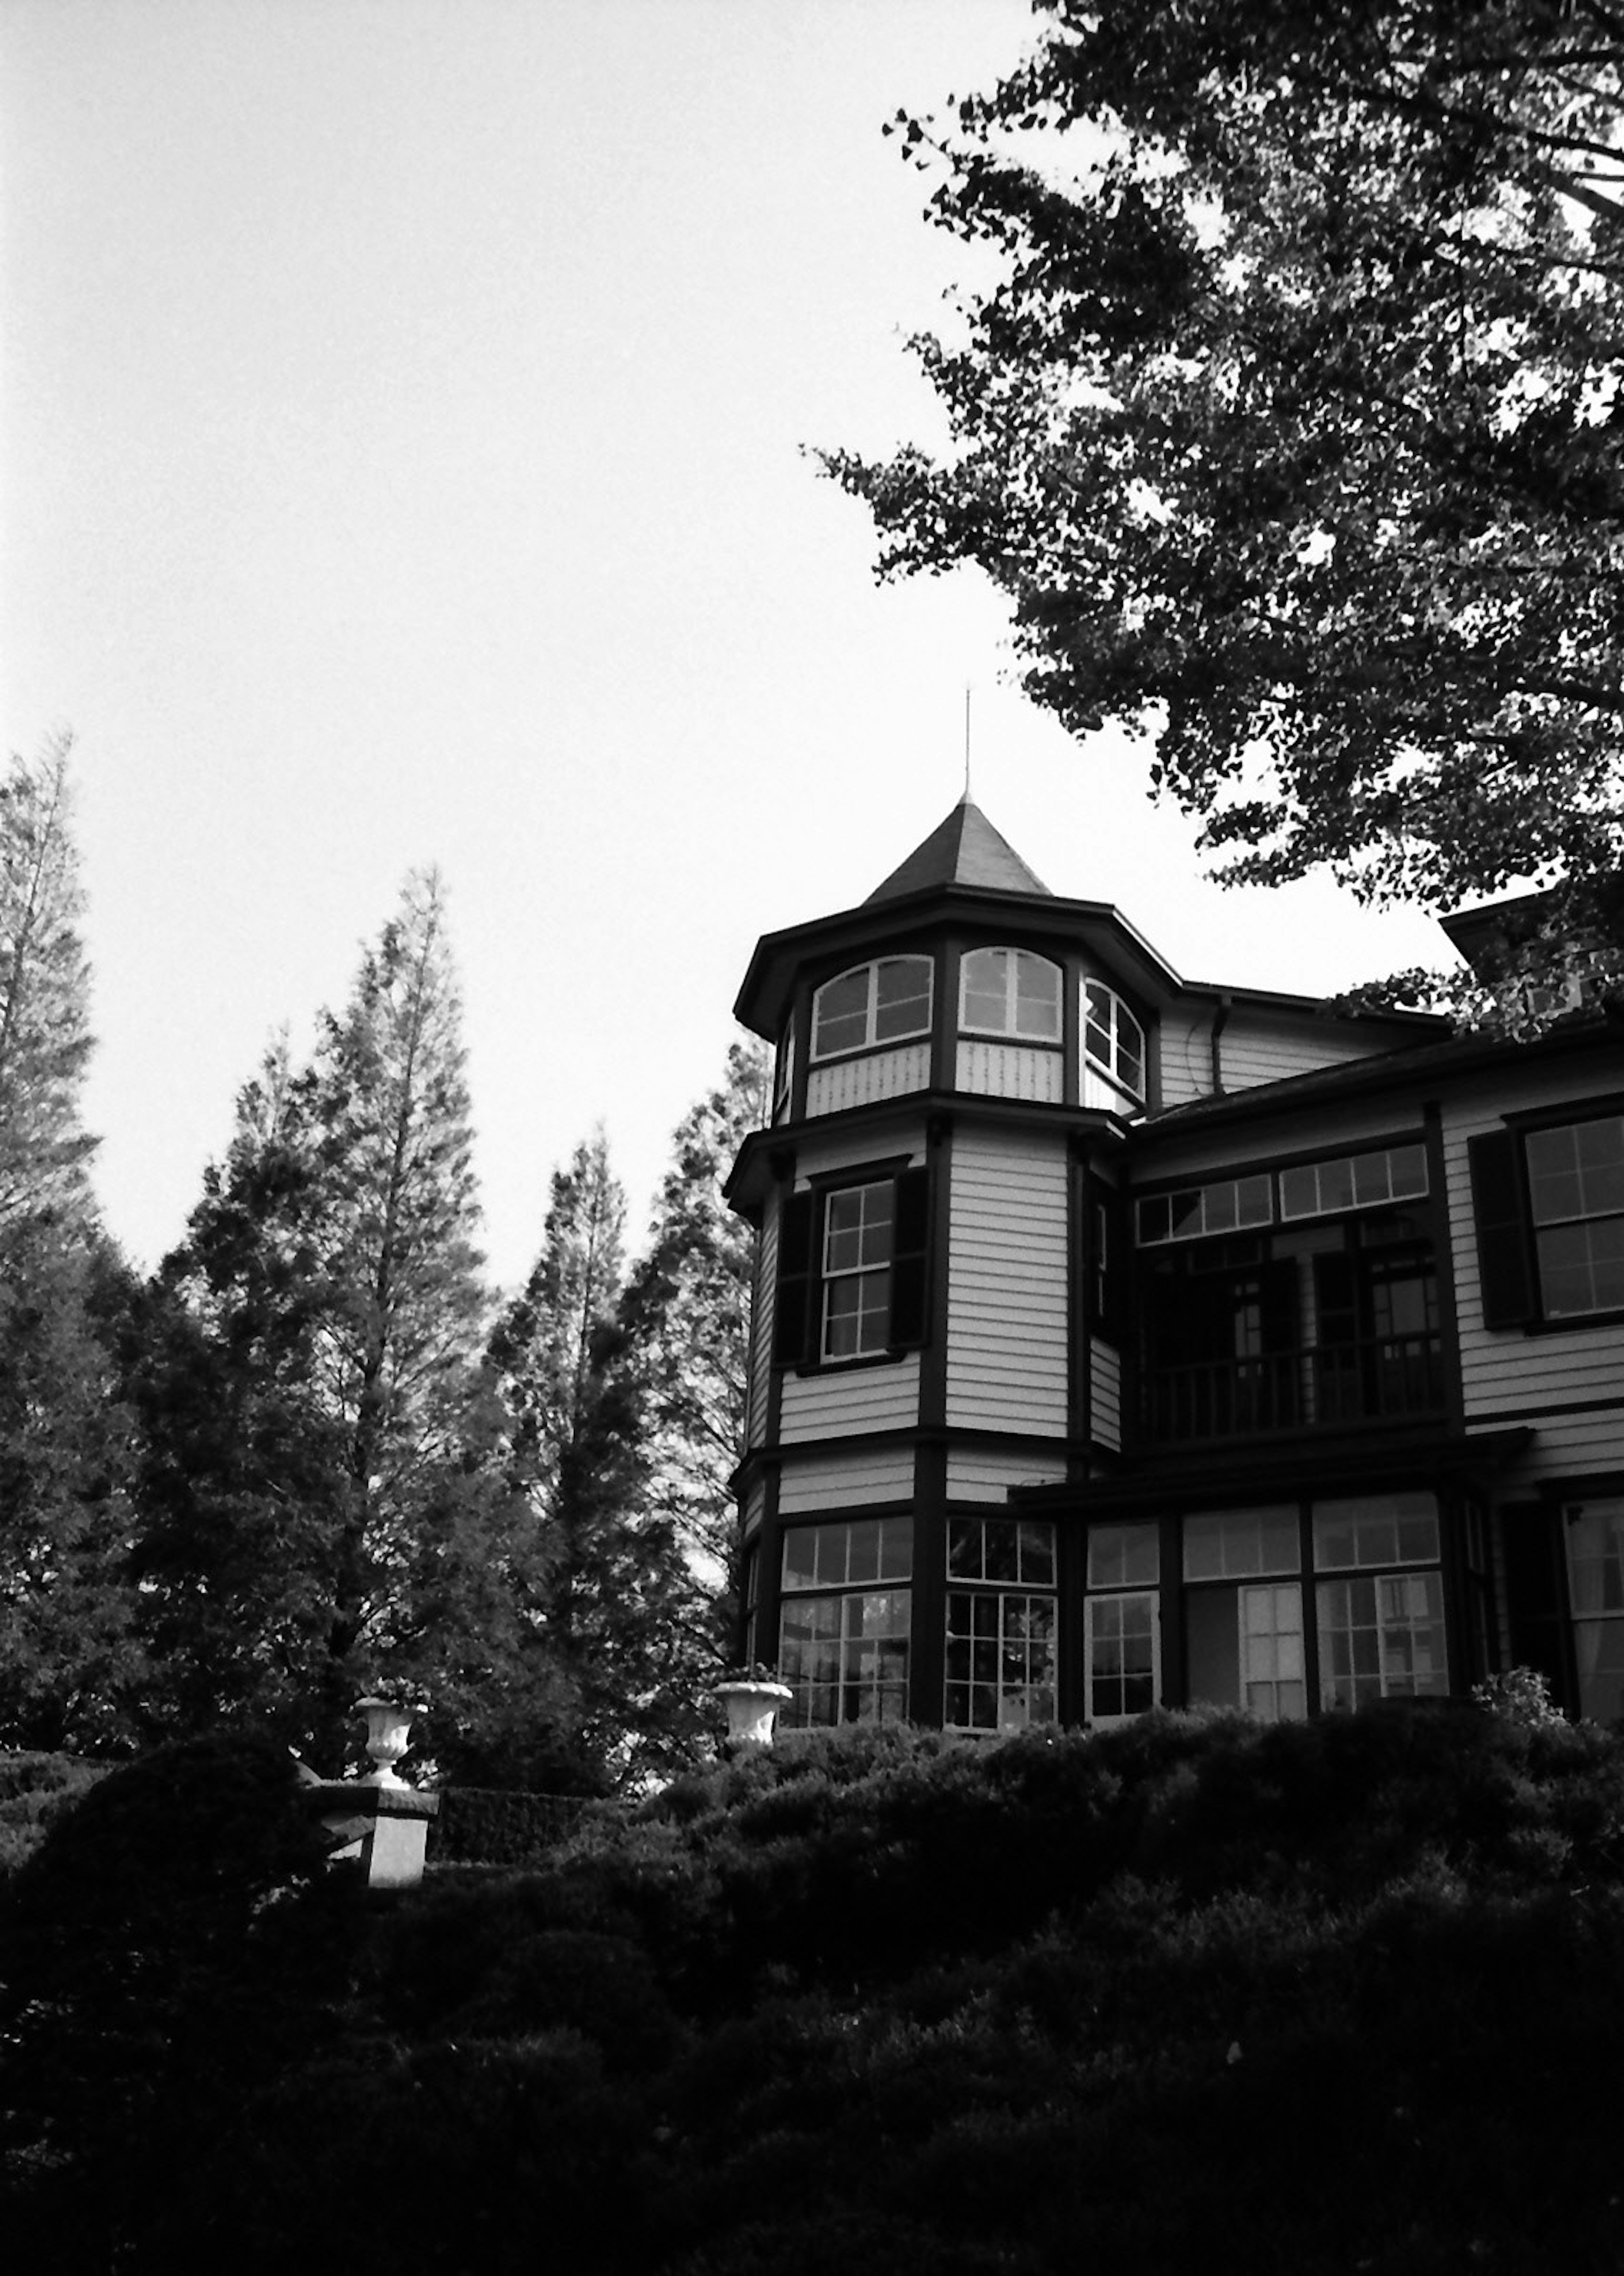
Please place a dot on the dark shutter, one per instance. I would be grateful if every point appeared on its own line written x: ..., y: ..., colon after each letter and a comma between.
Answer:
x: 792, y: 1317
x: 1503, y: 1260
x: 910, y: 1255
x: 1537, y: 1593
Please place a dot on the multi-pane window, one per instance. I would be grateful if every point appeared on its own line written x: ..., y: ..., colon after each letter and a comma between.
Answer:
x: 852, y: 1282
x: 784, y: 1078
x: 858, y: 1224
x: 1576, y: 1176
x: 1223, y: 1205
x: 1350, y: 1181
x: 1000, y: 1656
x: 886, y: 1002
x: 1009, y: 991
x: 1595, y: 1542
x: 1122, y: 1636
x: 1113, y: 1039
x: 1244, y: 1637
x: 844, y: 1620
x: 1381, y: 1634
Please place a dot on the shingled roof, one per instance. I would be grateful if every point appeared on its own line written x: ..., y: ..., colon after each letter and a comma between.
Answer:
x: 963, y: 849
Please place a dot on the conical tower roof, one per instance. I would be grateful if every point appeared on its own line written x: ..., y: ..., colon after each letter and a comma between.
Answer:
x: 964, y: 849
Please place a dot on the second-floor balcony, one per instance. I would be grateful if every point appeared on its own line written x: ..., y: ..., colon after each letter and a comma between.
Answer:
x: 1379, y: 1379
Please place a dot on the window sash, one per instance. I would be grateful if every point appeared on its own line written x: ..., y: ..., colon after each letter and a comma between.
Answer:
x: 886, y: 1002
x: 1113, y: 1041
x: 859, y: 1231
x: 1381, y: 1636
x: 851, y: 1552
x: 1010, y: 991
x: 1122, y: 1655
x: 845, y: 1657
x: 999, y: 1667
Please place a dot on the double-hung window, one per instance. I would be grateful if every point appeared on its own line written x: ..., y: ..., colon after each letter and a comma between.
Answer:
x: 1550, y: 1209
x: 1000, y: 1658
x: 844, y: 1620
x: 1594, y: 1534
x: 852, y: 1281
x: 1122, y: 1634
x: 1381, y: 1631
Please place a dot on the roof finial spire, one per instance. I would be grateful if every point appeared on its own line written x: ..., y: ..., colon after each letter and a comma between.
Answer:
x: 965, y: 800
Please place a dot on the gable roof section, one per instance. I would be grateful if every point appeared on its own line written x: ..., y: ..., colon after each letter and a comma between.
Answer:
x: 964, y: 849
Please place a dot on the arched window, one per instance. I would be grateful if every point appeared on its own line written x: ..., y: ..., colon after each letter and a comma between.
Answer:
x: 881, y: 1003
x: 1009, y: 991
x: 1113, y: 1039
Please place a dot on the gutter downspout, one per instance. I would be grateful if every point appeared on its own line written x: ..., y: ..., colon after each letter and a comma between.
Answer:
x: 1220, y: 1021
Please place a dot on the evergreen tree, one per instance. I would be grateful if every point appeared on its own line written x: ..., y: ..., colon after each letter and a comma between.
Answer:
x: 687, y: 1310
x: 615, y: 1615
x: 321, y: 1515
x: 45, y: 1040
x: 69, y: 1660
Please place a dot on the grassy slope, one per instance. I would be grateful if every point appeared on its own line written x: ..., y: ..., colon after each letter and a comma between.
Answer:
x: 1319, y: 1999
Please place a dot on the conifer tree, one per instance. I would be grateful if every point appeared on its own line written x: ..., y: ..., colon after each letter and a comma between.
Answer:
x: 68, y: 1661
x: 321, y: 1515
x: 45, y: 1040
x: 688, y: 1311
x: 615, y: 1611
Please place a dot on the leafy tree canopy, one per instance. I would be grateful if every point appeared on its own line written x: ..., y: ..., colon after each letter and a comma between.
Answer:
x: 1292, y: 430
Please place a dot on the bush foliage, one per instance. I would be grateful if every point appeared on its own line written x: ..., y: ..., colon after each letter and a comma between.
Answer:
x: 1309, y: 1997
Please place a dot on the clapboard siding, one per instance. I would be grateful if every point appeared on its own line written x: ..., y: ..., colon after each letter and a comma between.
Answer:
x: 982, y: 1475
x: 755, y: 1508
x: 1105, y: 1394
x: 1011, y: 1071
x: 1007, y: 1284
x: 1578, y: 1444
x: 846, y: 1481
x: 859, y: 1083
x: 842, y: 1402
x: 1184, y: 1055
x: 761, y: 1331
x: 1505, y: 1372
x: 1302, y: 1135
x: 1257, y: 1048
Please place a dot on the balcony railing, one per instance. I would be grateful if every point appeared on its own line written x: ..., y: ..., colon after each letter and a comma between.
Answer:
x: 1382, y: 1379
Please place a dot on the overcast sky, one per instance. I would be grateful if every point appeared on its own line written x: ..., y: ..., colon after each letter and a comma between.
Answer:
x: 403, y: 422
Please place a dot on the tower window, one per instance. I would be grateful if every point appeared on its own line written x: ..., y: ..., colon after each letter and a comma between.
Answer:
x: 1009, y: 991
x: 1113, y: 1039
x: 886, y: 1002
x: 852, y: 1271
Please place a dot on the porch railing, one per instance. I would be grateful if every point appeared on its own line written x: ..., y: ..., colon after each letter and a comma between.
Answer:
x: 1383, y: 1378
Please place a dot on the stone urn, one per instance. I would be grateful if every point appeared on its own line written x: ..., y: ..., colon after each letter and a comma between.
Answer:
x: 387, y: 1726
x: 752, y: 1705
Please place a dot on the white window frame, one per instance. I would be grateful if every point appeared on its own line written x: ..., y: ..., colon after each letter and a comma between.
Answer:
x: 1116, y: 1601
x: 1119, y: 1023
x: 1596, y: 1595
x: 860, y: 1569
x: 871, y: 1039
x: 869, y: 1271
x: 1387, y: 1606
x: 1556, y: 1228
x: 1010, y: 1027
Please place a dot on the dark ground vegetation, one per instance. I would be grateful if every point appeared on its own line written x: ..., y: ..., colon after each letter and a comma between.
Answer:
x: 1319, y: 1999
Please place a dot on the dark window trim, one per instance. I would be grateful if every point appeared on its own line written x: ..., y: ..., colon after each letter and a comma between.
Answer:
x: 1509, y: 1292
x: 800, y: 1272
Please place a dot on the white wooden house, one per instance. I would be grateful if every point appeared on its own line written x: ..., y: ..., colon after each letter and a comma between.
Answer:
x: 1123, y: 1339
